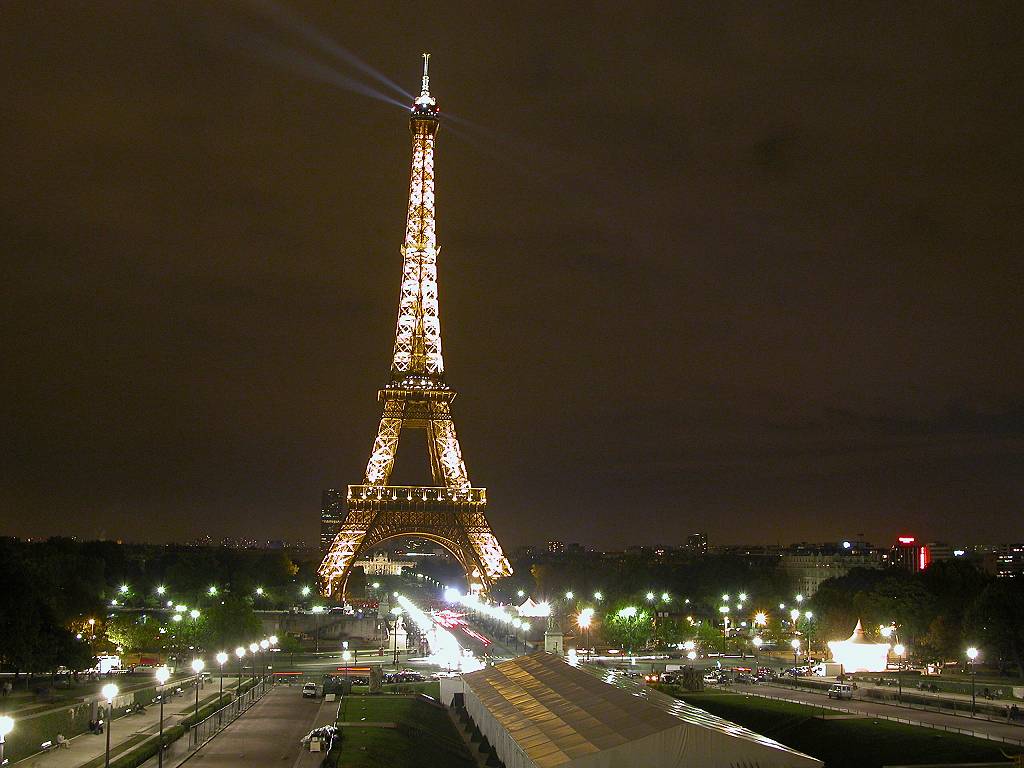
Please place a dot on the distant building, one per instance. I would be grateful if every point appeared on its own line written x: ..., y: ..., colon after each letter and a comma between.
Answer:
x: 382, y: 565
x: 909, y: 554
x: 697, y: 544
x: 556, y: 547
x: 332, y: 513
x: 809, y: 568
x: 1005, y: 561
x: 525, y: 552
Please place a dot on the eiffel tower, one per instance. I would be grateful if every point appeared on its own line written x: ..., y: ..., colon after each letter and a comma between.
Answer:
x: 451, y: 512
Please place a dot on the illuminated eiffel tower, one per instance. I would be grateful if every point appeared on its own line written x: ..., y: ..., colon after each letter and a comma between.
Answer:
x: 451, y: 512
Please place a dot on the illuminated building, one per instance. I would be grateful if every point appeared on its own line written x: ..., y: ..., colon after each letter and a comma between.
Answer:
x: 907, y: 553
x: 556, y: 547
x: 451, y: 512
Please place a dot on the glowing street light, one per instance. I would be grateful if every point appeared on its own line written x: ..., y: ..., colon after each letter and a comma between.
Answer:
x: 972, y: 655
x: 212, y: 591
x: 109, y: 692
x: 194, y: 613
x: 569, y: 595
x: 259, y: 591
x: 598, y: 596
x: 163, y: 674
x: 520, y: 593
x: 799, y: 598
x: 161, y: 589
x: 900, y: 650
x: 761, y: 619
x: 794, y: 614
x: 743, y: 597
x: 197, y: 667
x: 222, y: 658
x: 124, y: 589
x: 650, y: 596
x: 725, y: 598
x: 665, y: 597
x: 176, y: 617
x: 240, y: 654
x: 305, y: 591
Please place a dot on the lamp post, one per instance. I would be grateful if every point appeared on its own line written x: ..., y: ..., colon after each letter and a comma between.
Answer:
x: 109, y: 692
x: 197, y: 667
x: 899, y: 649
x: 795, y: 642
x: 583, y: 621
x: 757, y: 641
x: 221, y: 659
x: 264, y: 646
x: 162, y: 676
x: 240, y: 653
x: 972, y: 654
x: 316, y: 610
x: 397, y: 611
x: 6, y: 726
x: 254, y: 649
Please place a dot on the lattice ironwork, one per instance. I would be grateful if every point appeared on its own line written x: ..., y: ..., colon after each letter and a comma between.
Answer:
x: 451, y: 512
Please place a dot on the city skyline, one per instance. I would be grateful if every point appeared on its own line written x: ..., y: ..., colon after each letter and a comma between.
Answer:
x: 702, y: 277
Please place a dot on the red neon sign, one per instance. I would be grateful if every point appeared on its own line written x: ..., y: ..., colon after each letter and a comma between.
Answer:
x: 906, y: 539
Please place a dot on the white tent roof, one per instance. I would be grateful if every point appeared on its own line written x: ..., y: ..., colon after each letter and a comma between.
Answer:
x: 540, y: 712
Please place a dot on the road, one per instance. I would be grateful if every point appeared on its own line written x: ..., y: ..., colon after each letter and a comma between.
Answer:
x: 873, y: 708
x: 269, y: 733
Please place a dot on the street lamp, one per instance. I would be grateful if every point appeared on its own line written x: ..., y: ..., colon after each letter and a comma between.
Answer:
x: 650, y: 597
x: 163, y: 674
x: 6, y: 726
x: 899, y: 649
x: 264, y: 645
x: 240, y: 653
x: 795, y: 642
x: 197, y: 667
x: 254, y: 649
x: 665, y: 597
x: 598, y: 596
x: 221, y: 659
x: 972, y: 654
x: 583, y: 621
x: 569, y: 595
x: 758, y: 642
x: 109, y: 692
x: 317, y: 610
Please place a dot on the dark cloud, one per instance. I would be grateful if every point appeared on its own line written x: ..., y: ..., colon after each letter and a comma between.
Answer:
x: 743, y: 268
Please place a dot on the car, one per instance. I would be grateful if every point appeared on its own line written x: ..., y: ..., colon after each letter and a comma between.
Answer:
x: 840, y: 691
x: 309, y: 691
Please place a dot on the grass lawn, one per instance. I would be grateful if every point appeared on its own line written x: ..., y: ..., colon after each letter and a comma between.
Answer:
x: 425, y: 737
x: 848, y: 743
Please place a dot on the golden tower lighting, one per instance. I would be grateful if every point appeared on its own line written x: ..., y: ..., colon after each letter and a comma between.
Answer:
x: 451, y: 512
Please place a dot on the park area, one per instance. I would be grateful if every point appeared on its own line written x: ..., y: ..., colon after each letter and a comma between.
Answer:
x: 848, y: 741
x: 400, y: 731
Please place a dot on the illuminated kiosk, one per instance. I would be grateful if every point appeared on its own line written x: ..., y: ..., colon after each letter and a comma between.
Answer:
x: 858, y: 654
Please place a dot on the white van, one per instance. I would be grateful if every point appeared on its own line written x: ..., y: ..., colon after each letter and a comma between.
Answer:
x: 840, y: 691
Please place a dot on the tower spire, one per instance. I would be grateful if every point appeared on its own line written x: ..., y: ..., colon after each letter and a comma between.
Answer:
x: 425, y: 91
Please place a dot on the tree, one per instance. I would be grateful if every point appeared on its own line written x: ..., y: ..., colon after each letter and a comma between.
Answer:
x: 997, y: 618
x: 229, y: 623
x: 291, y: 645
x: 134, y: 633
x: 629, y: 628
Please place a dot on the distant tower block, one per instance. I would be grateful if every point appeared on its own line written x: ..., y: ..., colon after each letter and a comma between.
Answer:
x: 451, y: 512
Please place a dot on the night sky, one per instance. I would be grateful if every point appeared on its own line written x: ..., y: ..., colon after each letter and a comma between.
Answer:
x: 740, y: 268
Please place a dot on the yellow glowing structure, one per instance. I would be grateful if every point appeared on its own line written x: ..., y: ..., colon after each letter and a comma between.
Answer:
x: 451, y: 512
x: 858, y: 654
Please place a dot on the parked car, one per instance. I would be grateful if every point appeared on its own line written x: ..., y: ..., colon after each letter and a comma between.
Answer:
x: 309, y: 691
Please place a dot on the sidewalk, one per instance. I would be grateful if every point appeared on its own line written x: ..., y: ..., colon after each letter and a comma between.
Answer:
x: 127, y: 732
